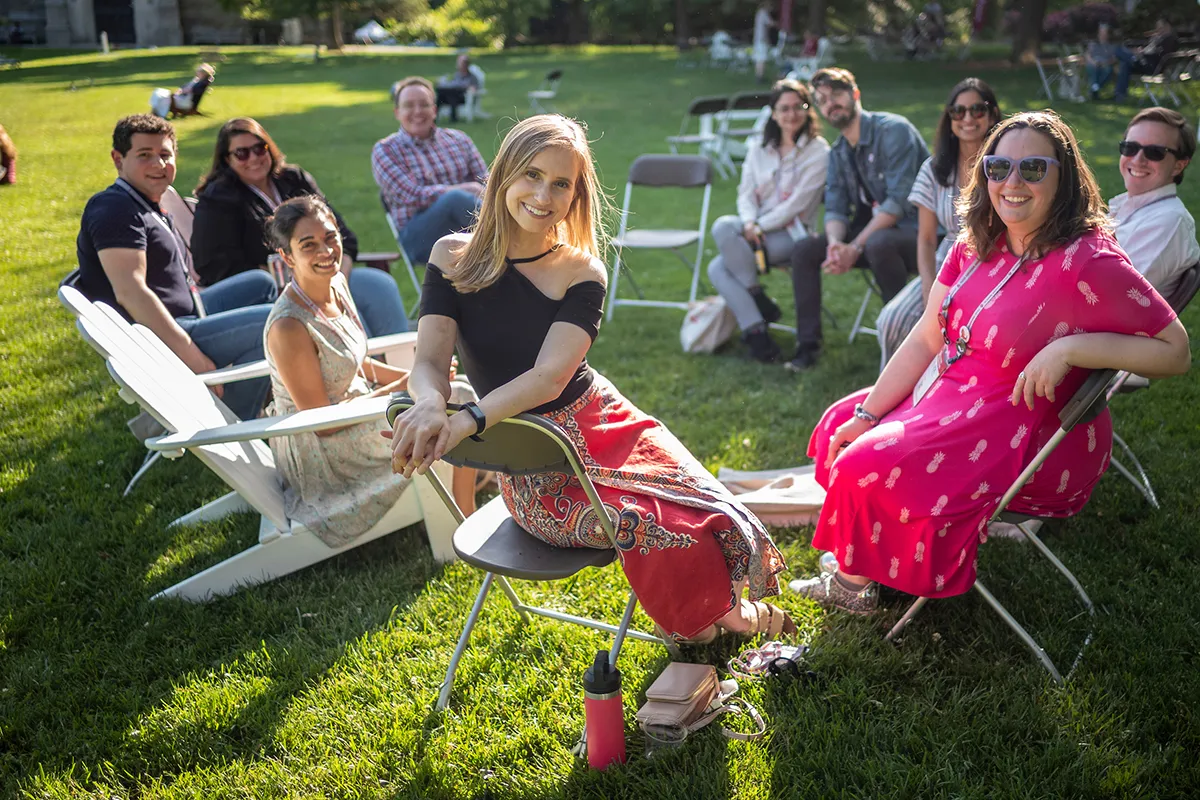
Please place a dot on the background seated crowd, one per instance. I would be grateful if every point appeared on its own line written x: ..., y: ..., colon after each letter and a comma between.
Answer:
x: 1003, y: 223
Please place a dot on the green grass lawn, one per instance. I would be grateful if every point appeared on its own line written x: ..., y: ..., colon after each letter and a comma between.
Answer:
x: 322, y: 684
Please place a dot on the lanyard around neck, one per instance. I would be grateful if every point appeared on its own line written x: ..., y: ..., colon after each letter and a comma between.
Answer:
x: 347, y: 308
x: 272, y: 202
x: 163, y: 220
x: 964, y: 331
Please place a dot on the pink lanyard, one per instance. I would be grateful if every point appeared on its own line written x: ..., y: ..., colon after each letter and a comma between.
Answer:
x: 348, y: 308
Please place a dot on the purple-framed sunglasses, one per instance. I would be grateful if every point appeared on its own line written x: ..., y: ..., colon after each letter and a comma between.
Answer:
x: 1032, y: 169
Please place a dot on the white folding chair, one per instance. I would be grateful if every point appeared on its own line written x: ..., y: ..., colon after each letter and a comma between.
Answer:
x: 545, y: 93
x: 753, y: 107
x: 657, y: 171
x: 491, y: 539
x: 872, y: 289
x: 704, y: 111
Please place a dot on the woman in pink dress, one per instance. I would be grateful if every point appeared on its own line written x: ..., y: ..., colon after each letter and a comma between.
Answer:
x: 1035, y: 293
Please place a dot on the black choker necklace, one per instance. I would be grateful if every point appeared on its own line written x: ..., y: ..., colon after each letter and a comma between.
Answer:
x: 533, y: 258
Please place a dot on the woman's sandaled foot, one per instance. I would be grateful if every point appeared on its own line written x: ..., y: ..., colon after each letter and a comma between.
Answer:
x: 831, y: 591
x: 706, y: 636
x: 770, y: 620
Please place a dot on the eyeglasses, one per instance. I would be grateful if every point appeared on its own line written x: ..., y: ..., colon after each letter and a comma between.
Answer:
x: 244, y: 153
x: 1154, y: 152
x: 1032, y: 169
x: 787, y: 109
x: 976, y: 110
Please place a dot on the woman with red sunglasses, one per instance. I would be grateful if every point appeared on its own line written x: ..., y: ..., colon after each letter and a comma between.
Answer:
x: 1034, y: 294
x: 248, y: 180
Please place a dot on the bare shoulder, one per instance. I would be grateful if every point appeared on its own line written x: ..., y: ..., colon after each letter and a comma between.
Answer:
x: 446, y: 251
x: 584, y: 267
x: 286, y: 334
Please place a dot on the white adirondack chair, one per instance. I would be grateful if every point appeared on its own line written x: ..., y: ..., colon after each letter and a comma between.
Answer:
x: 150, y: 375
x: 112, y: 332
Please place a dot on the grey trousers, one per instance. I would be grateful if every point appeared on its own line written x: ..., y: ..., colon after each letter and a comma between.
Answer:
x: 891, y: 254
x: 734, y: 272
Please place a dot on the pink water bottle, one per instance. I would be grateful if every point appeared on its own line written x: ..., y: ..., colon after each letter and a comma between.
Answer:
x: 604, y: 713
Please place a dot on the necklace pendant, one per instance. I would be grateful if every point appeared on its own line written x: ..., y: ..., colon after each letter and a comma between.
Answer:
x: 964, y: 334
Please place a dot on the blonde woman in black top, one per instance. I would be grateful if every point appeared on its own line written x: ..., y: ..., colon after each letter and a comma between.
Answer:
x: 521, y: 296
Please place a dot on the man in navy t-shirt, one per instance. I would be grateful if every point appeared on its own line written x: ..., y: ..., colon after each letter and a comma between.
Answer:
x: 132, y: 258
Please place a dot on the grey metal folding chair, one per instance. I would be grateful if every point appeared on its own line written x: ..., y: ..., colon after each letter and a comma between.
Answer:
x: 408, y: 264
x: 492, y: 541
x: 872, y: 289
x: 1183, y: 294
x: 657, y: 171
x: 702, y: 109
x: 1086, y: 404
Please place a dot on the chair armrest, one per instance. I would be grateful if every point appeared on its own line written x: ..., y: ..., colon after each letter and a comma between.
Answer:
x: 241, y: 372
x: 381, y: 344
x: 314, y: 419
x: 1089, y: 400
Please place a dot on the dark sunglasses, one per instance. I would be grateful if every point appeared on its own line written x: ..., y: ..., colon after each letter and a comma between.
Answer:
x: 976, y: 110
x: 1154, y: 152
x: 243, y: 153
x: 1032, y: 169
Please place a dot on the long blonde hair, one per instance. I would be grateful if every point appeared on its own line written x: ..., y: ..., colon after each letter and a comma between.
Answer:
x: 480, y: 263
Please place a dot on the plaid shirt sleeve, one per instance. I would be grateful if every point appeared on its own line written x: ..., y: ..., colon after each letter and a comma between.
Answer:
x: 393, y: 169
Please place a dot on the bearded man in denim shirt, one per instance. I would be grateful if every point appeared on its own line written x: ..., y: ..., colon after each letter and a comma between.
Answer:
x: 869, y: 222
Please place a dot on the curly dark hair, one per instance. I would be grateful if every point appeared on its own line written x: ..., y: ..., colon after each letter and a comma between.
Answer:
x: 1078, y: 205
x: 127, y: 127
x: 772, y: 133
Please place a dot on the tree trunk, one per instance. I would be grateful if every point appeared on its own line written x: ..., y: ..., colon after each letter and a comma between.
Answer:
x: 682, y: 33
x: 336, y: 22
x: 816, y: 16
x: 1027, y: 38
x: 577, y: 22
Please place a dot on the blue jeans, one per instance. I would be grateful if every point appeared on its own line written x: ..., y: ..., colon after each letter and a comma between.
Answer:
x: 452, y: 212
x: 378, y: 300
x: 1098, y: 75
x: 232, y: 333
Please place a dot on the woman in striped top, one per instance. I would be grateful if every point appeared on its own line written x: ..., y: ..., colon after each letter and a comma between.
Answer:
x: 971, y: 111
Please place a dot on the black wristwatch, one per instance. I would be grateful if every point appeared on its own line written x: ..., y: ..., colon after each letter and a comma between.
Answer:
x: 480, y: 419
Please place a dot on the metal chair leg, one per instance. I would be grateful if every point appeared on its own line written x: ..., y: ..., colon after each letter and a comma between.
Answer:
x: 1142, y: 481
x: 152, y: 458
x: 902, y: 623
x: 1029, y: 641
x: 448, y: 683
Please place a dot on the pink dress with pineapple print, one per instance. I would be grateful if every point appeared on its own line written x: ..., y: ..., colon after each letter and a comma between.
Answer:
x: 908, y: 501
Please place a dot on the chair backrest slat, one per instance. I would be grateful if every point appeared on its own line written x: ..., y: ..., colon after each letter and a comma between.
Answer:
x: 1186, y: 289
x: 747, y: 101
x: 665, y: 170
x: 707, y: 105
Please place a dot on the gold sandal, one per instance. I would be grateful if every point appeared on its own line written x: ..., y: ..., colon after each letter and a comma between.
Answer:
x: 771, y: 620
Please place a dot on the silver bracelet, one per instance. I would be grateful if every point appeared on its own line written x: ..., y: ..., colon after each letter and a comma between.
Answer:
x: 864, y: 415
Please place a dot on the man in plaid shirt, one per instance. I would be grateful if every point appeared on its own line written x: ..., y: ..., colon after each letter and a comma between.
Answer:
x: 431, y: 178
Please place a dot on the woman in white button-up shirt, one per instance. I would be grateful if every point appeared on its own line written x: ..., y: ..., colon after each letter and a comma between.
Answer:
x: 783, y: 180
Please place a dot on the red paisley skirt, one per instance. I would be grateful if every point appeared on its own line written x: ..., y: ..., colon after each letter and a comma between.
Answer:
x: 685, y: 544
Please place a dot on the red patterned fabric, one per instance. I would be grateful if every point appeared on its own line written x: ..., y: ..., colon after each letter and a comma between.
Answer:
x: 413, y: 173
x: 686, y: 545
x: 908, y: 501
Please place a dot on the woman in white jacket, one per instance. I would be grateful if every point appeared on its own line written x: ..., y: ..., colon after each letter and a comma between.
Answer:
x: 783, y: 180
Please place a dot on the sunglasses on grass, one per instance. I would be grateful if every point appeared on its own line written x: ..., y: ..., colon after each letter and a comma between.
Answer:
x: 1032, y: 169
x: 1154, y: 152
x: 244, y: 153
x: 976, y: 110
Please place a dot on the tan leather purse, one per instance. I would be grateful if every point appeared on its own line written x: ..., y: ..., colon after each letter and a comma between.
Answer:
x: 687, y: 697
